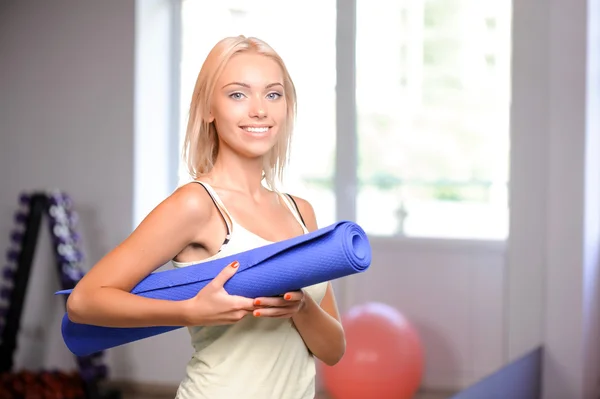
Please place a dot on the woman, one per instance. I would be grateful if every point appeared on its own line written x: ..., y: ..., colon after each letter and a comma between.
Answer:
x: 238, y: 136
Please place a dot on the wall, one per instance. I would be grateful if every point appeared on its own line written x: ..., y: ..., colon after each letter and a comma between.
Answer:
x: 70, y: 83
x: 573, y: 237
x: 4, y: 101
x: 553, y: 260
x: 67, y: 122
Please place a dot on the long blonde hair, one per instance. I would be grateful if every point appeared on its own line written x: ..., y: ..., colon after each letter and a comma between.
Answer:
x: 201, y: 144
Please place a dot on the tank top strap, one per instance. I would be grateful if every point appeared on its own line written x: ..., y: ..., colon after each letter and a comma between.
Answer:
x: 220, y: 206
x: 293, y: 207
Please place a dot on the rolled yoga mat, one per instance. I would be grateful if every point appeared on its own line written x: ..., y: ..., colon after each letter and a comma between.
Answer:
x: 329, y: 253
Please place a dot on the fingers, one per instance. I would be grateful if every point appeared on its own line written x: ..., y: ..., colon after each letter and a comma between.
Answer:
x: 294, y: 296
x: 285, y: 311
x: 225, y: 274
x: 242, y: 303
x: 279, y: 307
x: 270, y: 302
x: 283, y: 301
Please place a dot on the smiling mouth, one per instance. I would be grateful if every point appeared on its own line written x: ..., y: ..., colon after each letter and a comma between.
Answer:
x: 256, y: 129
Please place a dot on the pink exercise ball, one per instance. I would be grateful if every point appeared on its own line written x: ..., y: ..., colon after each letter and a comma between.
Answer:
x: 383, y: 359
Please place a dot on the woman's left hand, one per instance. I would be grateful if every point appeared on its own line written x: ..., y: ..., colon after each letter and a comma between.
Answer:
x: 284, y: 306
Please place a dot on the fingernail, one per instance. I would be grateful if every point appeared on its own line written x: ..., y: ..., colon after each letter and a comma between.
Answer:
x: 257, y: 314
x: 235, y: 264
x: 288, y: 297
x: 257, y: 302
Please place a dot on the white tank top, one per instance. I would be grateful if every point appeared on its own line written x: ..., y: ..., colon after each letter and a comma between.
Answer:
x: 255, y: 358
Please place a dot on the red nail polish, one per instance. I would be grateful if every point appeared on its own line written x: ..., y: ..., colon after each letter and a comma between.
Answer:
x: 288, y: 296
x: 235, y: 264
x: 257, y: 302
x: 257, y: 314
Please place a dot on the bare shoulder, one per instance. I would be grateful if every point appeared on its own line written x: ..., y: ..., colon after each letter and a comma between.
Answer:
x: 191, y: 199
x: 307, y: 211
x: 187, y: 205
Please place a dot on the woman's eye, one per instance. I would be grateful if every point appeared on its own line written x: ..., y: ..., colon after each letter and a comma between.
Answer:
x: 236, y: 96
x: 273, y: 96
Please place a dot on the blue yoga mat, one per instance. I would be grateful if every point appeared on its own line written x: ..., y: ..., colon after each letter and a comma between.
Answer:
x: 329, y: 253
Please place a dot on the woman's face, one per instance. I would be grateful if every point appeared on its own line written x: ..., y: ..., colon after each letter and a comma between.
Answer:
x: 249, y: 105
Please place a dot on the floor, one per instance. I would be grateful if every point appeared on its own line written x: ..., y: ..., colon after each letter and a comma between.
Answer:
x: 423, y: 395
x: 150, y: 391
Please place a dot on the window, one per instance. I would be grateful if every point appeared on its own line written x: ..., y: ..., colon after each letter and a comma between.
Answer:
x: 309, y: 55
x: 432, y: 82
x: 432, y: 106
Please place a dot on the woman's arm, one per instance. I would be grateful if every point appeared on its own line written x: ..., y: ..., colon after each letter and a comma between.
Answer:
x: 103, y: 296
x: 320, y: 326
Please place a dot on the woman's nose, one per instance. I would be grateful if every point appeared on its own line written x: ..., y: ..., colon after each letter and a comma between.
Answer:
x: 258, y: 108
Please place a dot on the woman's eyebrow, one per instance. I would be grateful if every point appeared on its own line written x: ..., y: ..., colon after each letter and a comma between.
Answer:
x: 248, y: 86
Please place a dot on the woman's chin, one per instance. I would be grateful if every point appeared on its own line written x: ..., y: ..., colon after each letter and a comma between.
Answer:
x: 258, y: 148
x: 254, y: 151
x: 251, y: 148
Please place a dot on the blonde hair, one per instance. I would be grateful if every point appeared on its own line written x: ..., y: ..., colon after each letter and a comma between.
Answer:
x: 201, y: 144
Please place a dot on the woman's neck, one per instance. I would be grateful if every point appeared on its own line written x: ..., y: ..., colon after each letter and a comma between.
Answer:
x: 239, y: 174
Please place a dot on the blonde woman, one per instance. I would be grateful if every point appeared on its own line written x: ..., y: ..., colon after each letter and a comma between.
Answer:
x: 236, y: 146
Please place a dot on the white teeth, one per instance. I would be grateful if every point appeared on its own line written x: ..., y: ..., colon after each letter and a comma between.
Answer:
x: 256, y: 129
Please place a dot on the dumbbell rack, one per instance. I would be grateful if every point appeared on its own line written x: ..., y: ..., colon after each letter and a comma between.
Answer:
x: 57, y: 207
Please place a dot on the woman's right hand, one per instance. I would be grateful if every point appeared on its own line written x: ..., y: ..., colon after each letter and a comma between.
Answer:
x: 214, y: 306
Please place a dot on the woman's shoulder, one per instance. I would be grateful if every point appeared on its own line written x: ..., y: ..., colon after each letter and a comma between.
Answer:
x: 302, y: 203
x: 190, y: 199
x: 306, y: 210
